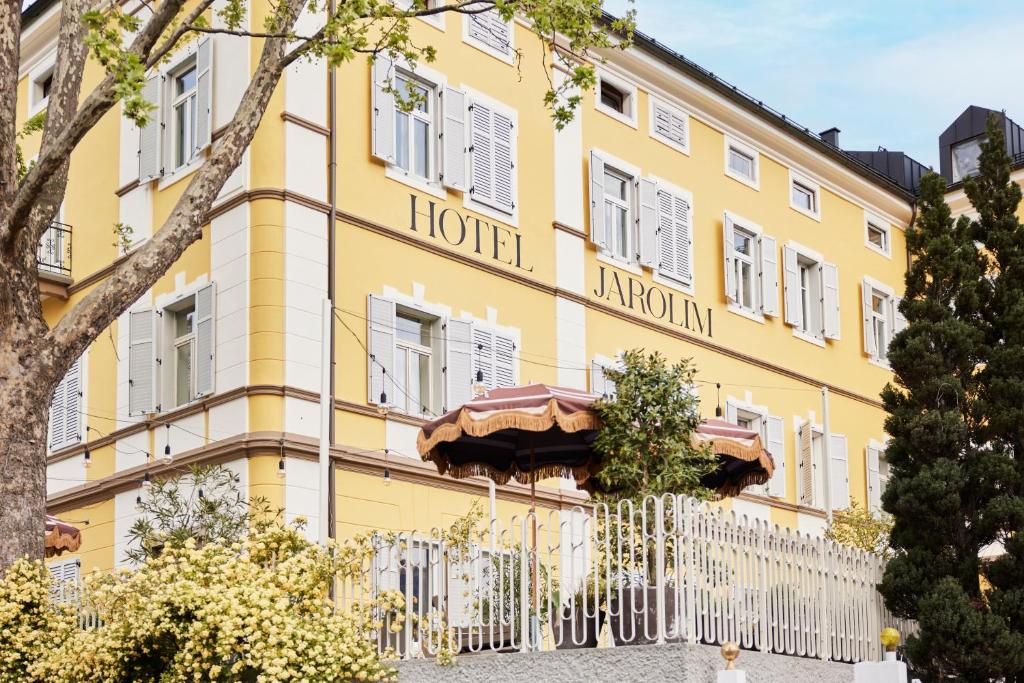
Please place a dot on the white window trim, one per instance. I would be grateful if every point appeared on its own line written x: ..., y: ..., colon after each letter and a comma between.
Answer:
x: 633, y: 172
x: 438, y: 82
x: 881, y: 224
x: 733, y: 143
x: 162, y: 344
x: 626, y: 87
x: 655, y: 274
x: 435, y: 20
x: 630, y: 266
x: 810, y: 255
x: 40, y: 71
x: 890, y: 320
x: 508, y: 57
x: 510, y: 219
x: 757, y: 231
x: 170, y: 177
x: 796, y: 178
x: 651, y: 99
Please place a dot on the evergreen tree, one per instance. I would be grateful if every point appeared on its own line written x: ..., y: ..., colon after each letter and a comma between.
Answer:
x: 956, y: 427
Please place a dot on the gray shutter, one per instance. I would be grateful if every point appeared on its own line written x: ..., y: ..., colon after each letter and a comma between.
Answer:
x: 453, y: 139
x: 791, y: 287
x: 458, y: 368
x: 806, y: 464
x: 141, y: 362
x: 728, y: 258
x: 57, y: 415
x: 483, y: 355
x: 648, y: 222
x: 669, y: 124
x: 383, y: 104
x: 769, y: 276
x: 776, y: 446
x: 830, y: 300
x: 598, y: 233
x: 205, y: 341
x: 899, y: 320
x: 150, y: 135
x: 204, y: 92
x: 380, y: 338
x: 839, y: 472
x: 874, y: 481
x: 870, y: 347
x: 73, y: 403
x: 481, y: 153
x: 504, y: 360
x: 503, y: 136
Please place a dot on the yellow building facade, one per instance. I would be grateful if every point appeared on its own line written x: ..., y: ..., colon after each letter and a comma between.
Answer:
x: 673, y: 214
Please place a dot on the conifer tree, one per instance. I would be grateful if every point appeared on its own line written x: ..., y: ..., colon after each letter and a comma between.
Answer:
x: 956, y: 427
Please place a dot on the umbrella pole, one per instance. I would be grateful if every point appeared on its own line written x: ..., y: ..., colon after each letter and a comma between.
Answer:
x: 533, y: 531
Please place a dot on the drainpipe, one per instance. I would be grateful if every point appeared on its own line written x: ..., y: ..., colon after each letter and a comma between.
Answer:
x: 332, y: 214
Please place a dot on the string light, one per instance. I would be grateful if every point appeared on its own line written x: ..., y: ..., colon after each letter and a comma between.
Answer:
x: 147, y: 481
x: 138, y: 502
x: 86, y: 457
x: 280, y: 467
x: 201, y: 496
x: 718, y: 399
x: 167, y: 448
x: 387, y: 470
x: 479, y: 388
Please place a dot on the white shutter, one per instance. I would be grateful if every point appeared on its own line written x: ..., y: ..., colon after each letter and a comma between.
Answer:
x: 504, y: 136
x: 839, y: 472
x: 383, y: 103
x: 683, y: 232
x: 64, y: 579
x: 453, y: 142
x: 204, y: 94
x: 727, y: 254
x: 807, y: 464
x: 57, y: 415
x: 150, y: 134
x: 481, y: 153
x: 458, y: 369
x: 769, y: 276
x: 380, y: 338
x: 870, y: 347
x: 598, y: 232
x: 504, y: 360
x: 899, y: 320
x: 483, y: 355
x: 731, y: 412
x: 205, y: 342
x: 830, y: 283
x: 599, y: 382
x: 648, y: 222
x: 776, y: 446
x: 73, y: 403
x: 491, y: 30
x: 874, y: 481
x: 670, y: 124
x: 791, y: 287
x: 141, y: 362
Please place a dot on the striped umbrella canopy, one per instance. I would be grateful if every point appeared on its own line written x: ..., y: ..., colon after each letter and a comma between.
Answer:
x: 61, y: 537
x: 526, y: 433
x: 742, y: 459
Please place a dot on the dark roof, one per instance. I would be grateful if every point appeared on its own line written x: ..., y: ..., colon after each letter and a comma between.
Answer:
x: 904, y: 170
x: 764, y: 112
x: 970, y: 124
x: 34, y: 10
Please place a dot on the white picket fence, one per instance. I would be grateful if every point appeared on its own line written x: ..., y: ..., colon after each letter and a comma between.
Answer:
x: 669, y: 570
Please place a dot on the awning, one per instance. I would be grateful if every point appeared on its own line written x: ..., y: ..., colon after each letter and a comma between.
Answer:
x: 742, y: 459
x: 61, y: 537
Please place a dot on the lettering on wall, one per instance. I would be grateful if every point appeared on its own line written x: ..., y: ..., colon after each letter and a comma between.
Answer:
x: 472, y: 233
x: 653, y: 301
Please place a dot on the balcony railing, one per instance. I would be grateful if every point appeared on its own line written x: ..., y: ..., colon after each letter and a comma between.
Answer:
x: 54, y: 254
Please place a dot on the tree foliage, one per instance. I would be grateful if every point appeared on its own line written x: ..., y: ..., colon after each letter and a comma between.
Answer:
x: 645, y: 443
x: 856, y: 526
x: 955, y: 418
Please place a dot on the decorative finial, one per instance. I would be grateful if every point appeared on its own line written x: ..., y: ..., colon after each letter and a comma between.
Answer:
x: 890, y: 638
x: 730, y: 651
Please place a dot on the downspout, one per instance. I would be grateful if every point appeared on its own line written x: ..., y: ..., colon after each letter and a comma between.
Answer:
x: 332, y: 215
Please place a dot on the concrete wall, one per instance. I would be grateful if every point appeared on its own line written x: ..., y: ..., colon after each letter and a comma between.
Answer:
x: 690, y: 663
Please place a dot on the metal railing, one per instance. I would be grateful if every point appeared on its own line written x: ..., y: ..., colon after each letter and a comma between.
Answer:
x: 54, y: 253
x: 669, y: 570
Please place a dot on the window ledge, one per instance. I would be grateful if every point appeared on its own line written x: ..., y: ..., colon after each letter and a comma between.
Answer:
x: 813, y: 215
x: 751, y: 183
x: 746, y: 313
x: 877, y: 362
x: 506, y: 57
x: 809, y: 338
x: 38, y: 107
x: 617, y: 115
x: 883, y: 252
x: 604, y: 257
x: 672, y: 283
x: 181, y: 172
x: 509, y: 219
x: 432, y: 188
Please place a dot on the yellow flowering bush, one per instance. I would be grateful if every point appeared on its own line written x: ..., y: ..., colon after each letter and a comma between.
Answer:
x: 29, y: 623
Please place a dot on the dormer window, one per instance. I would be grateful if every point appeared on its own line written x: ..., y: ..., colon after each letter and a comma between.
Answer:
x: 966, y: 156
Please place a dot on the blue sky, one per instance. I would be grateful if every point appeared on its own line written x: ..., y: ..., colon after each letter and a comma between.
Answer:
x: 891, y: 73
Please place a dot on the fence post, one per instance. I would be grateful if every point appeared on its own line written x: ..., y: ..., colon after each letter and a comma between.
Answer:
x: 659, y: 570
x: 823, y: 625
x: 762, y: 532
x: 524, y: 587
x: 690, y: 610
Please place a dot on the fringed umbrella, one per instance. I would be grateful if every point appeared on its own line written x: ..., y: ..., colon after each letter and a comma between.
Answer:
x: 61, y: 537
x: 742, y: 459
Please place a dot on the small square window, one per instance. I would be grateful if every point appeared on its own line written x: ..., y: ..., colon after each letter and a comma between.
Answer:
x: 39, y: 89
x: 804, y: 196
x: 617, y: 99
x: 878, y: 238
x: 965, y: 157
x: 613, y: 98
x: 741, y: 163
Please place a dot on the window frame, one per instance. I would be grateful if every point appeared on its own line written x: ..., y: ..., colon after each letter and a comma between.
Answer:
x: 743, y: 149
x: 629, y: 91
x: 752, y: 261
x: 817, y: 260
x: 632, y: 172
x: 435, y: 20
x: 883, y: 226
x: 888, y: 294
x: 756, y: 312
x: 808, y: 187
x: 652, y: 101
x: 410, y: 349
x: 954, y: 170
x: 437, y: 82
x: 432, y: 176
x: 189, y: 99
x: 176, y: 341
x: 507, y: 57
x: 45, y: 68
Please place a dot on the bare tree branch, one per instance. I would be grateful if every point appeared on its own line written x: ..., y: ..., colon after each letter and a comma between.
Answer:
x: 10, y: 43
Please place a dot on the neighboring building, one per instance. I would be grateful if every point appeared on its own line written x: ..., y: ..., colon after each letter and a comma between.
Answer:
x: 674, y: 213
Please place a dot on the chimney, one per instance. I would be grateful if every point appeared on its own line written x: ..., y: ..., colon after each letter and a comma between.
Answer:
x: 831, y: 136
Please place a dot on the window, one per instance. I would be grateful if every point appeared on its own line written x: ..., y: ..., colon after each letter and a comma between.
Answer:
x: 805, y: 195
x: 751, y: 277
x: 876, y: 235
x: 64, y: 579
x: 617, y: 98
x: 492, y: 157
x: 673, y: 235
x: 490, y: 33
x: 670, y: 126
x: 66, y: 409
x: 965, y: 157
x: 40, y: 80
x: 741, y: 163
x: 171, y: 353
x: 414, y: 129
x: 421, y: 363
x: 812, y: 294
x: 614, y: 212
x: 180, y: 126
x: 878, y: 474
x: 600, y: 383
x: 810, y: 479
x: 618, y: 189
x: 882, y: 319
